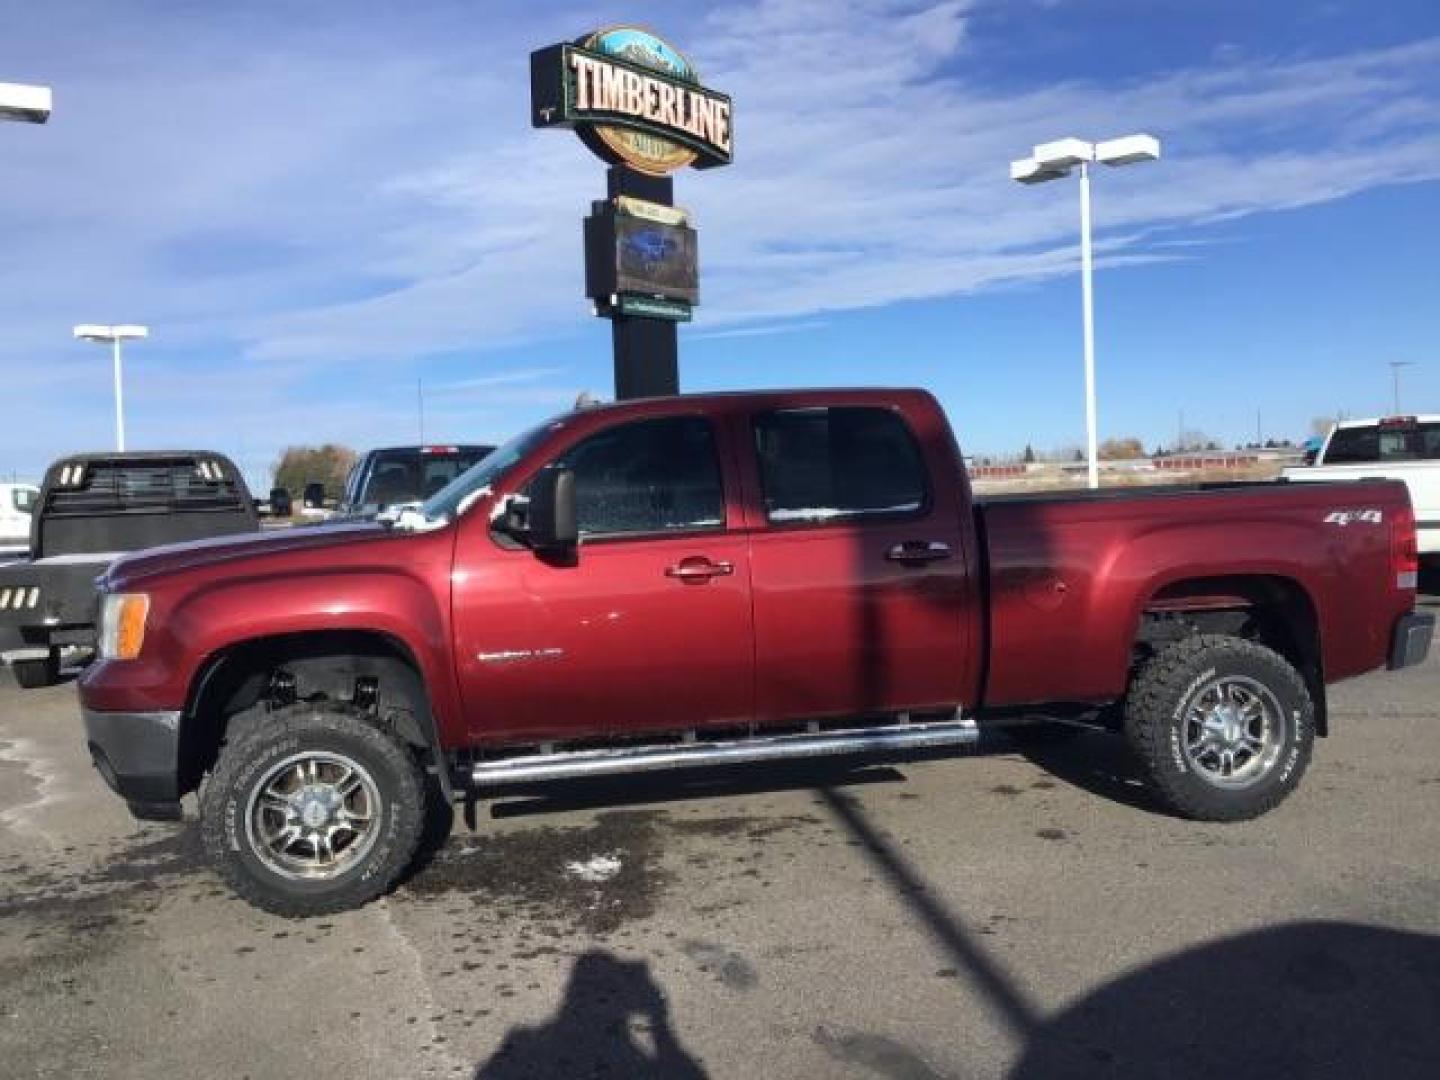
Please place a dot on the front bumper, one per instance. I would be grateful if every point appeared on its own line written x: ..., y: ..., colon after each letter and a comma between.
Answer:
x: 1410, y: 643
x: 138, y: 754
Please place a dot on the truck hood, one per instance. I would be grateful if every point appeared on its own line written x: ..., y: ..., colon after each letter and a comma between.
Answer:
x: 193, y: 554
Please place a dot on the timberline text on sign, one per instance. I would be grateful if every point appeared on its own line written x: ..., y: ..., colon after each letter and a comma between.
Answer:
x: 603, y: 86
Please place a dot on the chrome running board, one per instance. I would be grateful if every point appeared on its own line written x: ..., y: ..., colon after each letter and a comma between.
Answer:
x: 569, y: 764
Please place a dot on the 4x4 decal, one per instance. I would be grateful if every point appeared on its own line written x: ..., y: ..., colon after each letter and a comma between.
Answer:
x: 1348, y: 517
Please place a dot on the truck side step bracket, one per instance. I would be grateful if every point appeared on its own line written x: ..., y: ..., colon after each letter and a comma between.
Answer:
x: 572, y: 764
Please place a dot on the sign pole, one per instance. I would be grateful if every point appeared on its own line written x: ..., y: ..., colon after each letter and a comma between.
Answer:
x: 647, y: 351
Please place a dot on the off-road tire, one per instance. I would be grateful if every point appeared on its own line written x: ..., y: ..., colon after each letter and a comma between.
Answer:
x: 253, y: 748
x: 1155, y: 712
x: 37, y: 673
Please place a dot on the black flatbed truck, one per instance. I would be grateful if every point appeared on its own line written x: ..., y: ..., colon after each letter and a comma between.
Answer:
x: 92, y: 509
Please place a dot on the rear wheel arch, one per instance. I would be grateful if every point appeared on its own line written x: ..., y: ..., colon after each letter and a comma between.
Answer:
x: 1274, y: 610
x: 240, y: 680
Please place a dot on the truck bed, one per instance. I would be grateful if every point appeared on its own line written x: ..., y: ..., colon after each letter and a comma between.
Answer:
x: 1065, y: 569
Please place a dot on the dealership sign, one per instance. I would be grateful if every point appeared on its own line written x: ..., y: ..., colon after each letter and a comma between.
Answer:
x: 633, y: 99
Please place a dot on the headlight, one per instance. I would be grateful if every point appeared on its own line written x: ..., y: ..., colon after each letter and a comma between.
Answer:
x: 122, y: 625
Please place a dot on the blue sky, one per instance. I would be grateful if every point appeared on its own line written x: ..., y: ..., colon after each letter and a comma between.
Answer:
x: 313, y: 205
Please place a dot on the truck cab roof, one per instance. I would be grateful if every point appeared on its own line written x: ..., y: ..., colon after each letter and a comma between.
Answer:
x: 1391, y: 421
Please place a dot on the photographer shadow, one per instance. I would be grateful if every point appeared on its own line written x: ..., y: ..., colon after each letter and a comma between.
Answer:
x: 614, y: 1021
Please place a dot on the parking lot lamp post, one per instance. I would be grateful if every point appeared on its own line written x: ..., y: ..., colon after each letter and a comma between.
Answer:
x: 1050, y: 161
x: 113, y: 336
x: 1395, y: 366
x: 27, y: 104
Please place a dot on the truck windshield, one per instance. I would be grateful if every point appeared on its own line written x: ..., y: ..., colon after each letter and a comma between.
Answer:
x: 410, y: 474
x: 446, y: 503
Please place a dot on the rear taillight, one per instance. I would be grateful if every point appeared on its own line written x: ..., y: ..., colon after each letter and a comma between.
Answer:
x: 1404, y: 548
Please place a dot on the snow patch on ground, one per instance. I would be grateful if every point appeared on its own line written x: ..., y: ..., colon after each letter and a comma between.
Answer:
x: 48, y: 785
x: 596, y: 868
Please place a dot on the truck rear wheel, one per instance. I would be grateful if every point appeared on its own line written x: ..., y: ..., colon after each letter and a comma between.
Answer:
x: 312, y: 809
x: 1223, y: 727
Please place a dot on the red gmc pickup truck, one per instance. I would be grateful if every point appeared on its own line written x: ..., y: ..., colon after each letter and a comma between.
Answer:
x: 720, y: 579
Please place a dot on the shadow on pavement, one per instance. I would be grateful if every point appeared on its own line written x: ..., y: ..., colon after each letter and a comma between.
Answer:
x: 1312, y: 999
x: 1099, y: 763
x: 614, y: 1021
x: 998, y: 987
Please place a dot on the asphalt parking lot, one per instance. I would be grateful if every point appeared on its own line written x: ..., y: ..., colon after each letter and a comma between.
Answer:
x: 996, y: 915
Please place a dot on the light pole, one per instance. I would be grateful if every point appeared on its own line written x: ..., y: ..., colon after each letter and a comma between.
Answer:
x: 1395, y: 366
x: 1050, y: 161
x: 113, y: 335
x: 28, y: 104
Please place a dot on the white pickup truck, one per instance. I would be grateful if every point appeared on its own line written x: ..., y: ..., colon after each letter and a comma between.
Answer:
x: 16, y: 503
x: 1394, y: 447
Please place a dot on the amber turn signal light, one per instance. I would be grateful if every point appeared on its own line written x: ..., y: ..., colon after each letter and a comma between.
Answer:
x: 122, y: 625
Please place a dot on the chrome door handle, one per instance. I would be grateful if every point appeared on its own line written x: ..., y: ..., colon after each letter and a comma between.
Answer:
x: 918, y: 551
x: 697, y: 568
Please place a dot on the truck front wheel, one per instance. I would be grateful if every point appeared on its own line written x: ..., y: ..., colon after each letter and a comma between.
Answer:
x: 39, y: 672
x: 312, y: 809
x: 1222, y: 726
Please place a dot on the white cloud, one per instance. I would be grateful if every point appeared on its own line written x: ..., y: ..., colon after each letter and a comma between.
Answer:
x: 281, y: 193
x: 870, y: 170
x: 485, y: 382
x: 762, y: 330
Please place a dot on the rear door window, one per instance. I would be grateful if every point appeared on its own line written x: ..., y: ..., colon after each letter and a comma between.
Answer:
x: 838, y: 464
x: 1377, y: 444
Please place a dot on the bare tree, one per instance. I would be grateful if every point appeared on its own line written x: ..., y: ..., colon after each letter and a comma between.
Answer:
x: 1121, y: 449
x: 301, y: 465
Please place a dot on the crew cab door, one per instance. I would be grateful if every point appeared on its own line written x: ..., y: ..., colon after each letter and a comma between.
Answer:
x: 649, y: 629
x: 857, y: 566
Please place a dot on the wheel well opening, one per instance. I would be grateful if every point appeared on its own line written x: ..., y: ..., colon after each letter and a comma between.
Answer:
x: 1273, y: 611
x: 366, y: 668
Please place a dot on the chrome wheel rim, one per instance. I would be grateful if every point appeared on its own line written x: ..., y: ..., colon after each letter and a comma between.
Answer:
x: 1234, y: 731
x: 313, y: 816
